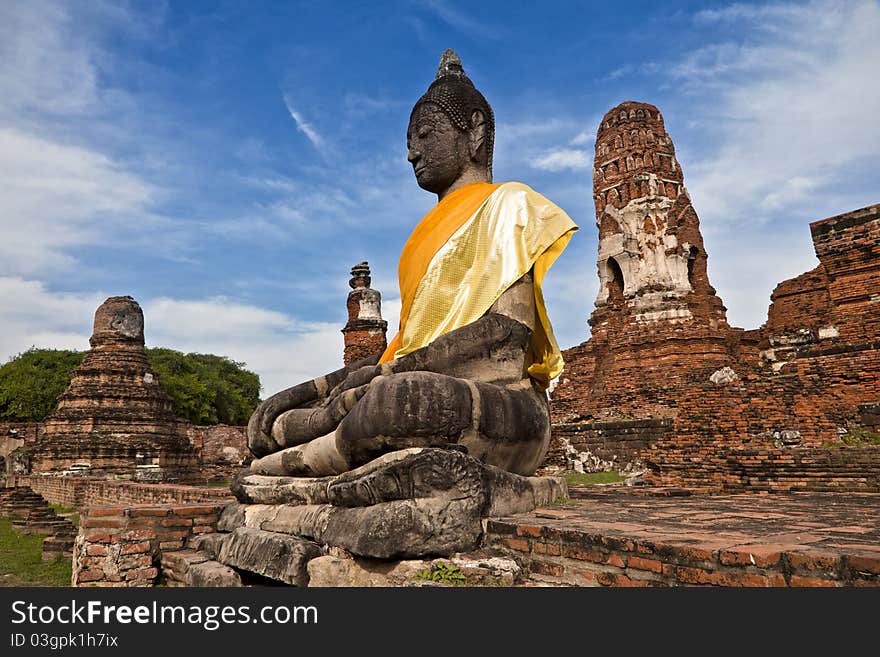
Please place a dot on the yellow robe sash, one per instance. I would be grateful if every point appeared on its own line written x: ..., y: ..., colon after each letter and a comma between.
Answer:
x: 466, y: 252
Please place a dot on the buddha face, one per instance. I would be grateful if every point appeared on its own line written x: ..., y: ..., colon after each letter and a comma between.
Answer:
x: 437, y: 149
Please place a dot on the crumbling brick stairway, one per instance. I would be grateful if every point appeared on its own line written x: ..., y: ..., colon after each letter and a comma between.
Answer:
x: 31, y: 514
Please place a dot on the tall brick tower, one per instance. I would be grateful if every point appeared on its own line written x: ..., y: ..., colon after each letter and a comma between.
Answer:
x: 364, y: 334
x: 657, y: 322
x: 652, y: 262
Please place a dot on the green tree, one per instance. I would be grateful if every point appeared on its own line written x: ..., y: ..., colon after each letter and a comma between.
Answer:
x: 31, y: 382
x: 205, y: 389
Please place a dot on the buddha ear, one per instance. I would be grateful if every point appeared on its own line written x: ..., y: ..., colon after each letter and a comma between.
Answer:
x: 477, y: 133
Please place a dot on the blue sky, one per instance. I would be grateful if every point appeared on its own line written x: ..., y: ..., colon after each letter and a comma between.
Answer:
x: 226, y: 163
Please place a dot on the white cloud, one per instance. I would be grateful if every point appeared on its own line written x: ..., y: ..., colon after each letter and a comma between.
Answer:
x: 282, y: 349
x: 43, y: 67
x: 559, y: 160
x: 303, y: 126
x: 782, y: 132
x: 54, y: 196
x: 587, y: 136
x: 59, y: 189
x: 792, y: 105
x: 32, y: 316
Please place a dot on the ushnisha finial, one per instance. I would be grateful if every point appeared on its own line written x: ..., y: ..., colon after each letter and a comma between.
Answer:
x: 450, y: 64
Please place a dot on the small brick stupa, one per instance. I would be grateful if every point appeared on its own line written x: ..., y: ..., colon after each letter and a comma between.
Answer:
x: 114, y: 420
x: 364, y: 333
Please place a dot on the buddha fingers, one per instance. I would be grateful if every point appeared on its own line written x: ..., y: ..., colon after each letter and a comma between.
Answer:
x: 301, y: 425
x: 259, y: 431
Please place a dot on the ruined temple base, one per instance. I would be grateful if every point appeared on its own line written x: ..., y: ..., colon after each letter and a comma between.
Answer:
x: 599, y: 536
x: 613, y: 536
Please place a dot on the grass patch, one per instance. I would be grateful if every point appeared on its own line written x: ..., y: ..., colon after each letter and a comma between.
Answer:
x: 563, y: 501
x: 20, y: 562
x: 218, y: 484
x: 70, y: 512
x: 860, y: 436
x: 443, y: 573
x: 591, y: 478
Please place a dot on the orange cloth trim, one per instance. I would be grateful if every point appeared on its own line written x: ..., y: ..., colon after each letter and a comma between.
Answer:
x: 431, y: 233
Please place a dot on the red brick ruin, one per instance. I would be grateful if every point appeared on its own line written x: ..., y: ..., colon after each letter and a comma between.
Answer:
x: 665, y: 382
x: 114, y: 416
x: 115, y: 421
x: 364, y: 333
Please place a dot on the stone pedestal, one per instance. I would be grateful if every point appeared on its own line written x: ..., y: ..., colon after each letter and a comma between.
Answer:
x: 413, y: 504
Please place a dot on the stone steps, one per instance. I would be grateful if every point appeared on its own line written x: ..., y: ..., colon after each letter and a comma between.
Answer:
x: 57, y: 546
x: 196, y: 568
x: 31, y: 514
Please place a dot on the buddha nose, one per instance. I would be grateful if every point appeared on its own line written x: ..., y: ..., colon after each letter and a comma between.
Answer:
x: 412, y: 155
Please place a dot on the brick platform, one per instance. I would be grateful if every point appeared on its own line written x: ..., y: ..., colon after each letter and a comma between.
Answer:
x: 622, y: 537
x: 123, y: 546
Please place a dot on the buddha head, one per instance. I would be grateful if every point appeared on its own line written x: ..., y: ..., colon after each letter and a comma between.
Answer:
x: 451, y: 130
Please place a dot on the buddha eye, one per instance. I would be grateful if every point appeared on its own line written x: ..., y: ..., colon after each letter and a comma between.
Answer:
x: 424, y: 132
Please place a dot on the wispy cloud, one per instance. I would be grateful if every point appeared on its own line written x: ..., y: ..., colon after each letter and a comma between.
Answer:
x: 33, y: 316
x: 304, y: 127
x: 587, y: 136
x: 55, y: 196
x: 359, y: 105
x: 792, y: 107
x: 283, y: 349
x: 781, y: 125
x: 461, y: 21
x: 560, y: 160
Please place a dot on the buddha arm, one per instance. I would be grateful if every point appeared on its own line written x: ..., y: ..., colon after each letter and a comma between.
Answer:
x: 305, y: 394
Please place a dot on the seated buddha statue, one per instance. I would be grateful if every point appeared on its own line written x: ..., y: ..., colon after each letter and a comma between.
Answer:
x: 475, y: 352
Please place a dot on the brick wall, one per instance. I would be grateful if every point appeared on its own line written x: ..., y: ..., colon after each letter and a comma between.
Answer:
x: 27, y: 431
x: 86, y: 491
x: 605, y: 446
x: 220, y: 453
x: 575, y: 558
x: 119, y: 546
x: 801, y: 302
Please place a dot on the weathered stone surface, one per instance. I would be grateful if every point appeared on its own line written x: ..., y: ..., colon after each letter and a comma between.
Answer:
x: 724, y: 376
x: 343, y: 570
x: 509, y: 494
x: 231, y: 518
x: 262, y: 489
x: 410, y: 503
x: 210, y: 544
x: 195, y: 568
x: 336, y: 571
x: 272, y: 555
